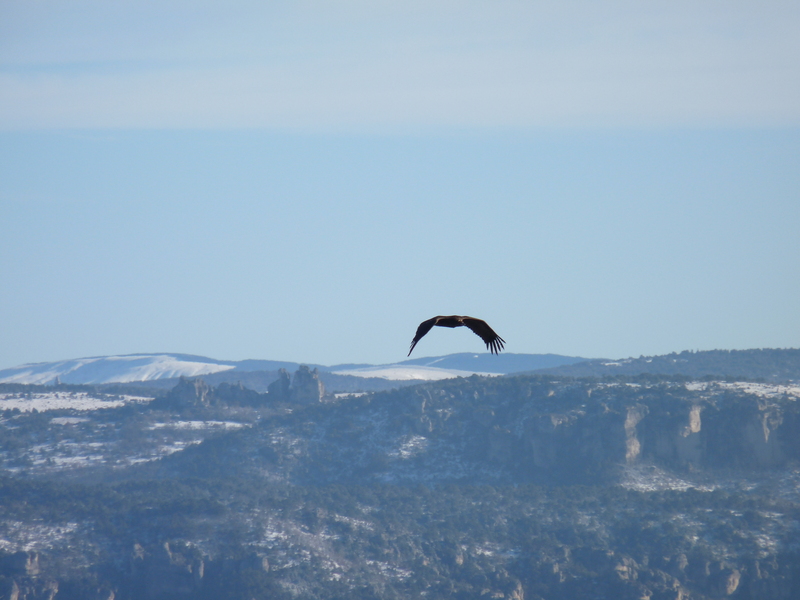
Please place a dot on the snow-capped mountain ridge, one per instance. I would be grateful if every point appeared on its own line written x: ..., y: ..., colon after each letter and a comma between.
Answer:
x: 771, y: 365
x: 113, y: 369
x: 147, y: 367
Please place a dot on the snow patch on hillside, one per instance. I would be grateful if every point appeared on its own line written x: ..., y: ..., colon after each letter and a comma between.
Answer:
x: 409, y: 373
x: 16, y: 536
x: 649, y: 478
x: 198, y: 425
x: 82, y: 401
x: 762, y: 390
x: 111, y: 369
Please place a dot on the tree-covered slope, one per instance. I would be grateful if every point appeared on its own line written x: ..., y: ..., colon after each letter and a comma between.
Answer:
x: 774, y: 365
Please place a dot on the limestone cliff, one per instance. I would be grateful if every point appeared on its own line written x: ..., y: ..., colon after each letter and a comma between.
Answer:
x: 529, y: 429
x: 278, y: 390
x: 196, y: 393
x: 306, y: 386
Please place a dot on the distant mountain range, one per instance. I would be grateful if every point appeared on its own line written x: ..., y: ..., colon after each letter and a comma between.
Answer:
x: 161, y: 369
x: 151, y: 367
x: 773, y: 365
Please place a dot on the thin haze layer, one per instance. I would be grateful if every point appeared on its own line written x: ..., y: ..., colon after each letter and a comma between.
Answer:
x: 343, y: 66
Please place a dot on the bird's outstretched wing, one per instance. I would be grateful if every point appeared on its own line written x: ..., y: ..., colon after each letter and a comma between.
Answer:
x: 493, y: 342
x: 423, y: 328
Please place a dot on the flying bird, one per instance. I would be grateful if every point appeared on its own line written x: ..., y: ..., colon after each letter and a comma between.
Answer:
x: 493, y: 342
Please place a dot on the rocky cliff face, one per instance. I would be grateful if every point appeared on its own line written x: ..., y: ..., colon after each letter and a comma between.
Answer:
x: 304, y: 388
x: 540, y: 430
x: 704, y: 426
x: 188, y: 393
x: 280, y: 388
x: 197, y: 394
x: 167, y: 571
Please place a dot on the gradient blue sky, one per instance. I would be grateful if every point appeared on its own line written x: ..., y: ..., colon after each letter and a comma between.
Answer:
x: 308, y: 181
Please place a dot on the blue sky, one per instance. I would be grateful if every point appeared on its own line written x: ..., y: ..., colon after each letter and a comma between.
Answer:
x: 308, y: 181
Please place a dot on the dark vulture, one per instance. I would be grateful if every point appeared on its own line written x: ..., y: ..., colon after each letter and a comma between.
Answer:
x: 493, y: 342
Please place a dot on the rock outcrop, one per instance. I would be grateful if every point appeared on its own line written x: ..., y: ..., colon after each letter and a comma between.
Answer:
x: 20, y: 564
x: 166, y: 572
x: 306, y: 386
x: 181, y: 572
x: 279, y: 390
x: 187, y: 393
x: 196, y: 393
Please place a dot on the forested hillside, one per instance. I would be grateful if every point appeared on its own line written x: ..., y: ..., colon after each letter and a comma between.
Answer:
x: 775, y: 365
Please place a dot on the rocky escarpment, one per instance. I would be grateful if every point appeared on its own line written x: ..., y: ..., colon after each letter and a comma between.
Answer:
x: 701, y: 426
x: 196, y: 393
x: 725, y: 425
x: 22, y: 577
x: 166, y: 571
x: 304, y: 388
x: 534, y: 429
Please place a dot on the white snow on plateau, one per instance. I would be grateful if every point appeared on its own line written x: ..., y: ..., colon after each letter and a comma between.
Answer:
x: 68, y: 420
x: 63, y: 401
x: 198, y: 425
x: 409, y: 372
x: 649, y: 478
x: 110, y: 369
x: 16, y: 536
x: 763, y: 390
